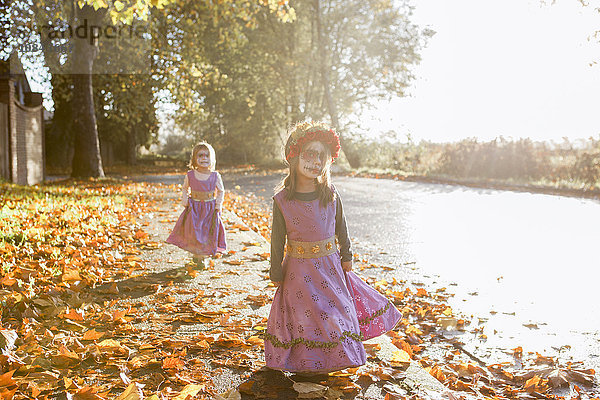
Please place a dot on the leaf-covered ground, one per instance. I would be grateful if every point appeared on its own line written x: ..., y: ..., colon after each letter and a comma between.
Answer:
x: 94, y: 305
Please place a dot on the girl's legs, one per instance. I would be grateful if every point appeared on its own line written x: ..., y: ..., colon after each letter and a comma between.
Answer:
x: 200, y: 261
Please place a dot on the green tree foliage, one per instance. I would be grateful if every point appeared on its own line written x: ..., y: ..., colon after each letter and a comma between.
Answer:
x: 126, y: 112
x: 212, y: 75
x: 242, y: 94
x: 73, y: 93
x: 240, y: 71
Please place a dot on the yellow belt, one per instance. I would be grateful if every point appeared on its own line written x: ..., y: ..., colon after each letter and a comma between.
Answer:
x: 202, y: 196
x: 317, y: 249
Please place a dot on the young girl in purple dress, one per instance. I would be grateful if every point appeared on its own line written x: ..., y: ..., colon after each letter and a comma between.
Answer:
x: 321, y: 311
x: 199, y: 228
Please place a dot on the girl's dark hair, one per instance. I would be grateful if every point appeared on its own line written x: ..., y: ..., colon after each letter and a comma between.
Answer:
x: 325, y: 192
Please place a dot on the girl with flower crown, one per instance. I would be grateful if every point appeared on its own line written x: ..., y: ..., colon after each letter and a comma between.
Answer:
x: 321, y: 311
x: 199, y: 228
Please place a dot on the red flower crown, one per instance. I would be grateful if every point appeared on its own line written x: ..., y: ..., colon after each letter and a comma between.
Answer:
x: 299, y: 138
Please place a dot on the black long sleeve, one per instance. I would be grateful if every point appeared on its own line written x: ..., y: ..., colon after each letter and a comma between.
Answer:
x: 341, y: 231
x: 278, y: 236
x: 279, y: 233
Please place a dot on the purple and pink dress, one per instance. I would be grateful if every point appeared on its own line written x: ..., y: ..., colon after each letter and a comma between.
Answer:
x: 320, y: 314
x: 199, y: 228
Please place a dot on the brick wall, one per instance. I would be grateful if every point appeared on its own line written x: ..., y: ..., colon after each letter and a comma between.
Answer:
x: 7, y: 96
x: 25, y: 134
x: 29, y: 149
x: 4, y: 149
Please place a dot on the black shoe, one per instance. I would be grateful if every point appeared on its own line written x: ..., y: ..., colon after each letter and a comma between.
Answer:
x: 309, y: 377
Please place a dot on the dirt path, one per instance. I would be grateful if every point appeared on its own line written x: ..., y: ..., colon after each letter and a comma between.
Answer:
x: 210, y: 317
x: 208, y: 323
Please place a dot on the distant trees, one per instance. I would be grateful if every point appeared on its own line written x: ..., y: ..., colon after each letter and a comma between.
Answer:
x: 327, y: 59
x: 365, y: 50
x: 218, y: 75
x: 239, y: 72
x: 125, y: 104
x: 126, y: 112
x: 70, y: 25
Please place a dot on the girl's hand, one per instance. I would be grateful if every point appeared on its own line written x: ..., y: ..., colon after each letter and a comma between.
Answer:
x: 347, y: 266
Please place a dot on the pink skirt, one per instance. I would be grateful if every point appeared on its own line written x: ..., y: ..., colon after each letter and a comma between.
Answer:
x: 199, y: 229
x: 320, y: 315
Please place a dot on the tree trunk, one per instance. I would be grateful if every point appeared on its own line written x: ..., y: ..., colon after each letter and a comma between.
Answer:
x: 352, y: 156
x: 87, y: 161
x: 131, y: 147
x: 59, y: 138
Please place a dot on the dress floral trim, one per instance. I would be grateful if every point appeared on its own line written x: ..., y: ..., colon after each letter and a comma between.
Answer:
x: 312, y: 344
x: 378, y: 313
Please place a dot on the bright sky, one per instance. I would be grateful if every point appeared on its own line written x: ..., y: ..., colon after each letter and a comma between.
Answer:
x: 515, y: 68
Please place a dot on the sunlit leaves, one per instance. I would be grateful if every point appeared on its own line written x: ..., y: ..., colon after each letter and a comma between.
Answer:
x: 8, y: 386
x: 93, y: 338
x: 72, y: 237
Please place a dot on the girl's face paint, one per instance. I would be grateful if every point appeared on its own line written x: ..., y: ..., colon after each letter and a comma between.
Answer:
x: 203, y: 159
x: 313, y: 159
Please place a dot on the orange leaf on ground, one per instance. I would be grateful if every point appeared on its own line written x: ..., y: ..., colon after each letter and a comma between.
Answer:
x: 70, y: 275
x: 536, y: 384
x: 255, y: 341
x: 111, y: 346
x: 189, y: 391
x: 259, y: 299
x: 7, y: 394
x: 402, y: 345
x: 66, y: 358
x: 543, y: 359
x: 133, y: 392
x: 63, y: 351
x: 400, y: 356
x: 191, y: 272
x: 173, y: 363
x: 6, y: 379
x: 411, y: 329
x: 140, y: 234
x: 8, y: 281
x: 437, y: 373
x: 87, y: 393
x: 74, y: 315
x: 203, y: 344
x: 119, y: 315
x: 397, y: 295
x: 92, y: 335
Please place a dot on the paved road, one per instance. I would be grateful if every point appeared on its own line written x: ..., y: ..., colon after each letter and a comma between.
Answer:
x: 526, y: 266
